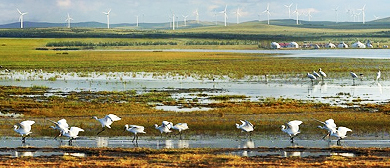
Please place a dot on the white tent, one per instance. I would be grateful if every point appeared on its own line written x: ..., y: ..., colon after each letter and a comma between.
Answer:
x: 293, y: 45
x: 358, y: 44
x: 330, y: 45
x: 342, y: 45
x: 275, y: 45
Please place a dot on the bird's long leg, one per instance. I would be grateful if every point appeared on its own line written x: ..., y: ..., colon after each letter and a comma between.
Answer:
x: 325, y: 136
x: 180, y: 135
x: 338, y: 142
x: 57, y: 136
x: 136, y: 140
x: 23, y: 139
x: 292, y: 139
x: 134, y: 137
x: 70, y: 141
x: 101, y: 130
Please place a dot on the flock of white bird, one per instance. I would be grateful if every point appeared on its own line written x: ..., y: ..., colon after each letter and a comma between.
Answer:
x: 322, y: 74
x: 24, y: 128
x: 291, y: 128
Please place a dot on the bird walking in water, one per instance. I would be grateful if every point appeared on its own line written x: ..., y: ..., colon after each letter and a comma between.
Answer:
x: 165, y: 127
x: 246, y: 126
x: 311, y: 77
x: 316, y: 74
x: 322, y: 73
x: 354, y: 76
x: 135, y: 129
x: 292, y: 129
x: 378, y: 75
x: 340, y: 133
x: 60, y: 125
x: 107, y: 121
x: 328, y: 125
x: 180, y: 127
x: 72, y: 133
x: 24, y: 129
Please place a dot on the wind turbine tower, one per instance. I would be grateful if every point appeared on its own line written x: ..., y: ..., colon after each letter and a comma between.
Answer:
x: 197, y: 16
x: 309, y: 15
x: 173, y: 21
x: 21, y: 18
x: 363, y: 14
x: 68, y: 19
x: 289, y: 10
x: 337, y: 14
x: 137, y: 21
x: 185, y: 20
x: 238, y: 14
x: 267, y: 12
x: 225, y: 14
x: 297, y: 13
x: 108, y: 18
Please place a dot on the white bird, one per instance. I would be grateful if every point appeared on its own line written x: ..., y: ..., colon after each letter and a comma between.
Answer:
x: 24, y: 129
x: 316, y: 74
x: 328, y: 125
x: 378, y: 75
x: 322, y: 73
x: 107, y: 121
x: 72, y: 133
x: 180, y: 127
x: 340, y: 133
x: 61, y: 126
x: 292, y: 129
x: 246, y: 126
x: 311, y: 77
x: 164, y: 127
x: 135, y: 129
x: 353, y: 76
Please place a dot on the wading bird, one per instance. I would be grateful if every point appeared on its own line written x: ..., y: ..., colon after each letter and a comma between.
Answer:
x: 316, y: 74
x: 24, y: 129
x: 107, y: 121
x: 328, y: 125
x: 72, y: 133
x: 353, y: 76
x: 340, y: 133
x: 246, y: 126
x: 164, y: 127
x: 378, y: 75
x: 322, y: 73
x: 311, y: 77
x: 135, y: 129
x: 60, y: 125
x: 292, y: 129
x: 180, y: 127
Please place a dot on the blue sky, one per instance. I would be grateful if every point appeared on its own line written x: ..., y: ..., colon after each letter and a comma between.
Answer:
x: 152, y: 11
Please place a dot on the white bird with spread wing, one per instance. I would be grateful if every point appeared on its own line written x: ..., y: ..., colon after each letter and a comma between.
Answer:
x: 135, y: 129
x: 60, y: 125
x: 24, y: 129
x: 107, y: 121
x: 165, y: 127
x: 246, y: 126
x: 328, y: 125
x: 292, y: 129
x: 340, y: 133
x: 72, y: 133
x: 180, y: 127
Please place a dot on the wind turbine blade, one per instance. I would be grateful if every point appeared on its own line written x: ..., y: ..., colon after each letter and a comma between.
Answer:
x: 19, y: 11
x: 109, y: 11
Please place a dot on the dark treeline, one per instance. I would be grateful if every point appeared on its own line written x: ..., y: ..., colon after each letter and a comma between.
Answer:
x: 100, y: 33
x: 105, y: 44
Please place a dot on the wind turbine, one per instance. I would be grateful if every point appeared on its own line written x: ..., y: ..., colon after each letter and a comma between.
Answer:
x: 108, y: 18
x: 215, y: 17
x: 225, y: 14
x: 337, y: 14
x: 185, y: 20
x: 237, y: 14
x: 197, y: 16
x: 21, y: 18
x: 267, y: 11
x: 309, y: 15
x: 289, y: 9
x: 137, y: 20
x: 68, y: 19
x: 173, y: 20
x: 376, y: 17
x: 297, y: 13
x: 364, y: 15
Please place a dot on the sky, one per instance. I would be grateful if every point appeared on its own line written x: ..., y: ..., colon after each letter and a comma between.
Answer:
x: 157, y: 11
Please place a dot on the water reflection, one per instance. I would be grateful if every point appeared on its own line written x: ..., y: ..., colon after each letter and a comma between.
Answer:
x: 102, y: 142
x: 291, y: 154
x: 23, y: 154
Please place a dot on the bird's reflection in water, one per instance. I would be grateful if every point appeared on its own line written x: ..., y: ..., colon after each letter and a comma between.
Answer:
x: 246, y: 144
x: 291, y: 154
x: 23, y: 154
x: 380, y: 88
x: 101, y: 142
x: 165, y: 144
x: 183, y: 144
